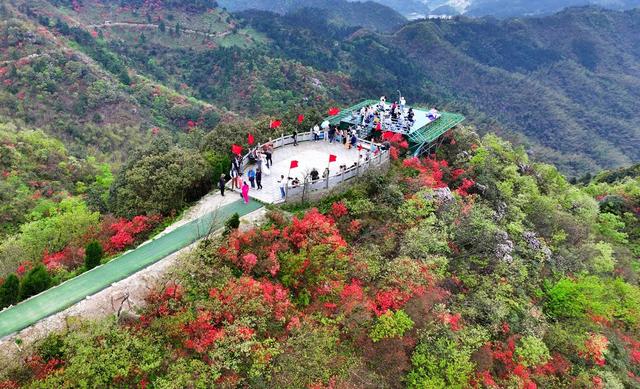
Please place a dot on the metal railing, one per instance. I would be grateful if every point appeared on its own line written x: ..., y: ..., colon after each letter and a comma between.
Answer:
x: 369, y: 160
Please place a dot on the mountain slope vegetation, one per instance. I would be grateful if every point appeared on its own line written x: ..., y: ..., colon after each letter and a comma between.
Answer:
x: 472, y: 268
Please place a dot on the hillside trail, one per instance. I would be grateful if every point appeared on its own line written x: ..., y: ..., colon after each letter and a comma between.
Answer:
x: 220, y: 34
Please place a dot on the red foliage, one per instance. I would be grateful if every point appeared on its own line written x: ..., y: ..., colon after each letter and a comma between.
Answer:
x: 388, y: 299
x: 453, y: 321
x: 202, y: 333
x: 429, y: 172
x: 9, y: 385
x: 464, y: 188
x: 123, y: 233
x: 23, y: 267
x: 262, y: 298
x: 40, y: 368
x: 68, y: 258
x: 557, y: 365
x: 339, y: 210
x: 595, y: 346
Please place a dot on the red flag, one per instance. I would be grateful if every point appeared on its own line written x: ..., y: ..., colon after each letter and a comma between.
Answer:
x: 251, y: 139
x: 359, y: 147
x: 333, y: 111
x: 275, y: 124
x: 294, y: 164
x: 236, y: 149
x: 332, y: 158
x: 300, y: 118
x: 387, y: 135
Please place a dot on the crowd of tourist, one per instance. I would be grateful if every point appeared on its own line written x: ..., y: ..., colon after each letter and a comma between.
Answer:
x: 260, y: 159
x: 395, y: 117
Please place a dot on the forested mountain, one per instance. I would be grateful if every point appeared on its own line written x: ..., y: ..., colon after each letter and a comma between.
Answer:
x: 369, y: 14
x: 566, y: 84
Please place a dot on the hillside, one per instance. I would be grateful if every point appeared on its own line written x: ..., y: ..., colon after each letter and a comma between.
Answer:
x: 473, y: 268
x: 369, y: 14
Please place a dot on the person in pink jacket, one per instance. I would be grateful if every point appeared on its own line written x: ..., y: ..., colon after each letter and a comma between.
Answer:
x: 245, y: 192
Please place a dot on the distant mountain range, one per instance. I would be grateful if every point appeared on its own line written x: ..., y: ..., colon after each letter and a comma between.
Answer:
x: 498, y: 8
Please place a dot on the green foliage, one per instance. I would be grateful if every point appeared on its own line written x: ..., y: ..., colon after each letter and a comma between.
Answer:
x: 104, y: 356
x: 35, y: 281
x: 232, y: 223
x: 611, y: 226
x: 391, y: 325
x: 443, y: 360
x: 532, y: 351
x: 611, y: 299
x: 67, y: 221
x: 160, y: 180
x: 313, y: 355
x: 9, y: 291
x: 604, y: 262
x: 93, y: 255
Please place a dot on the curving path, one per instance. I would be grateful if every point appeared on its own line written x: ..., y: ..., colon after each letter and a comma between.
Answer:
x: 65, y: 295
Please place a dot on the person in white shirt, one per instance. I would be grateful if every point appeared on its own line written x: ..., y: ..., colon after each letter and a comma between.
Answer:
x: 403, y: 102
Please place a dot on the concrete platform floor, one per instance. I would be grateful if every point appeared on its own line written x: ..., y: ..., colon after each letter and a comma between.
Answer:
x: 309, y: 155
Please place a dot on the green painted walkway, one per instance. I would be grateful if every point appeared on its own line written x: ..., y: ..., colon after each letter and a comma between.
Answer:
x: 67, y: 294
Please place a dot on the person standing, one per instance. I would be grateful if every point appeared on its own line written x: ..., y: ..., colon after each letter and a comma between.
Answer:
x: 269, y: 152
x: 282, y: 183
x: 245, y: 192
x: 252, y: 177
x: 295, y: 137
x: 234, y: 177
x: 221, y: 183
x: 259, y: 178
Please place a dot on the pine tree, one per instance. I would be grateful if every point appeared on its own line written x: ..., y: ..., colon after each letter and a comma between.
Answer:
x: 36, y: 281
x: 9, y: 291
x: 93, y: 255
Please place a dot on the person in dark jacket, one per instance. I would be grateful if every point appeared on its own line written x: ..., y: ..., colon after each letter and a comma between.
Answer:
x: 221, y: 183
x: 259, y: 178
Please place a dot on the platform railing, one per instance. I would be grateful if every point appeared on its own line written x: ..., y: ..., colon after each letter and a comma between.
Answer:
x: 379, y: 158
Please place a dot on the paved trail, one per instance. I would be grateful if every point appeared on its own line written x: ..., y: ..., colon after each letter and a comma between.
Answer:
x: 65, y: 295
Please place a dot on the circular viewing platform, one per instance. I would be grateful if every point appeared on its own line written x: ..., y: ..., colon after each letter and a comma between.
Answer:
x: 311, y: 154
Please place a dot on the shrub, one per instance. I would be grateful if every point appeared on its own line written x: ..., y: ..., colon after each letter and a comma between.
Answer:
x: 9, y: 291
x: 611, y: 299
x: 37, y: 280
x: 391, y: 325
x: 532, y: 351
x: 232, y: 223
x: 93, y: 255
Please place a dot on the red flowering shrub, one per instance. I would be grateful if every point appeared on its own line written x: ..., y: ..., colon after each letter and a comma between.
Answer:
x: 465, y: 186
x: 594, y: 348
x: 68, y: 258
x: 202, y: 333
x: 123, y: 233
x: 339, y: 210
x: 259, y: 252
x: 23, y: 268
x: 246, y: 296
x: 40, y: 368
x: 453, y: 321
